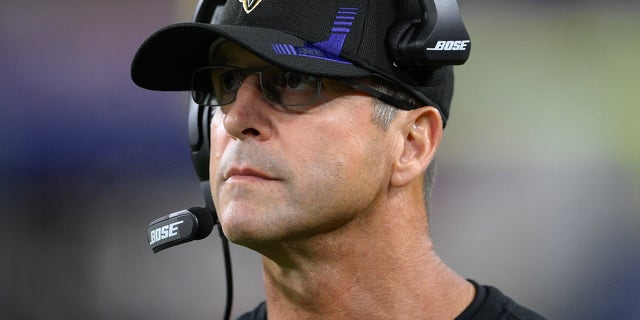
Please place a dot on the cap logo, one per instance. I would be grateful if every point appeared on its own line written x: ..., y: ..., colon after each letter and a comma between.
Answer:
x: 329, y: 49
x: 249, y: 5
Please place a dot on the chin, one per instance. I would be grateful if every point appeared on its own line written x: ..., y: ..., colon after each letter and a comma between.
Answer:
x: 242, y: 228
x: 264, y: 237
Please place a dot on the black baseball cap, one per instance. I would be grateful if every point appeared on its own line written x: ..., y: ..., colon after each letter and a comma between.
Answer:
x: 332, y: 38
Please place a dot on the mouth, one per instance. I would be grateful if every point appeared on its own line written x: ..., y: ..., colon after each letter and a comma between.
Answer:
x: 244, y: 173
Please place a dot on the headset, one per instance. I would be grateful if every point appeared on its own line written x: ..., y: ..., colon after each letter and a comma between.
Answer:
x: 438, y: 38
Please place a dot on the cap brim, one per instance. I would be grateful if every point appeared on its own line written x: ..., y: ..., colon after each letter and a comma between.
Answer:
x: 167, y: 59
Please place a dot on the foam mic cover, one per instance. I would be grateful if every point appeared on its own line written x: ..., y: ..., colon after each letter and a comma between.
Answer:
x: 179, y: 227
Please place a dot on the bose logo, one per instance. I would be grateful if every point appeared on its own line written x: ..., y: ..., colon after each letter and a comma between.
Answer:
x: 164, y: 232
x: 460, y: 45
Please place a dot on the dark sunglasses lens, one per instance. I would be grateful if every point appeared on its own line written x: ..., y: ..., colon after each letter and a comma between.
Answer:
x: 216, y: 86
x: 289, y: 88
x: 227, y: 81
x: 202, y: 88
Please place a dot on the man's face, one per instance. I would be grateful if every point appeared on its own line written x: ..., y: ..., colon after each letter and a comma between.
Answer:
x: 281, y: 175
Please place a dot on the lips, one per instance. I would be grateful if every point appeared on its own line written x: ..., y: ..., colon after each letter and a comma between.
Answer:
x: 246, y: 172
x: 248, y: 160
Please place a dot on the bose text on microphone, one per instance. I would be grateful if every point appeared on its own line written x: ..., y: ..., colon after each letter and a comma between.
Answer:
x: 179, y: 227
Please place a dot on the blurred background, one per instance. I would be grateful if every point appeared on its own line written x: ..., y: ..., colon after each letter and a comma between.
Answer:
x: 539, y: 174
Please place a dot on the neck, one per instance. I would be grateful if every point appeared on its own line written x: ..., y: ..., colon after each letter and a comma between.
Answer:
x: 364, y: 273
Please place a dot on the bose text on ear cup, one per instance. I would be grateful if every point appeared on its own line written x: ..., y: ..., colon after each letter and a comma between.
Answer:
x: 438, y: 38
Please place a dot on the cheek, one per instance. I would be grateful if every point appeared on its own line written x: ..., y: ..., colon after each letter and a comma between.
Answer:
x: 340, y: 164
x: 219, y: 139
x: 218, y: 136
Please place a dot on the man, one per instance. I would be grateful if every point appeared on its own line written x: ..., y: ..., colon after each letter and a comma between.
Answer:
x: 319, y: 148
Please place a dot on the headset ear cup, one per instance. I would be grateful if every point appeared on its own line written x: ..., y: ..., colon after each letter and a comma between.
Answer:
x: 398, y: 39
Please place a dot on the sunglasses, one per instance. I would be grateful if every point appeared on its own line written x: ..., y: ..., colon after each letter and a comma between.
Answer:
x: 219, y: 85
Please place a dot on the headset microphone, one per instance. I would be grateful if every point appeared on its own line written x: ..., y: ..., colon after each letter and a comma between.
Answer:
x: 179, y: 227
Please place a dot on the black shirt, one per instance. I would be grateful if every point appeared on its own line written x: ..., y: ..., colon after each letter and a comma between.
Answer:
x: 488, y: 304
x: 491, y: 304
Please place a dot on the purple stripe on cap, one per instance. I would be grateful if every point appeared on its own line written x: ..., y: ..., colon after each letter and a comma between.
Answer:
x: 284, y: 49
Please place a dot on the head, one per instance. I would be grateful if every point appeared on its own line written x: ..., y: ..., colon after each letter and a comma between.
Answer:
x: 293, y: 173
x: 283, y: 173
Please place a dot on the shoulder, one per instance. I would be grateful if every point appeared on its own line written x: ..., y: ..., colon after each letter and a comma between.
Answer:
x: 506, y: 308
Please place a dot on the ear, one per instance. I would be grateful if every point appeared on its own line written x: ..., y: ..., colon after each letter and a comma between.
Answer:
x: 422, y: 132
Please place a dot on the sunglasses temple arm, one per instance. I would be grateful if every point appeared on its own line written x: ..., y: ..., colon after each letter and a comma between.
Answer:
x: 355, y: 84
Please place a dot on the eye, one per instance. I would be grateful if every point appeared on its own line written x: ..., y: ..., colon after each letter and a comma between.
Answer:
x: 295, y: 80
x: 289, y: 88
x: 292, y: 79
x: 230, y: 80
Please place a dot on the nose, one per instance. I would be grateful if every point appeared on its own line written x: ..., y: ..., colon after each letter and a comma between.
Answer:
x: 248, y: 116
